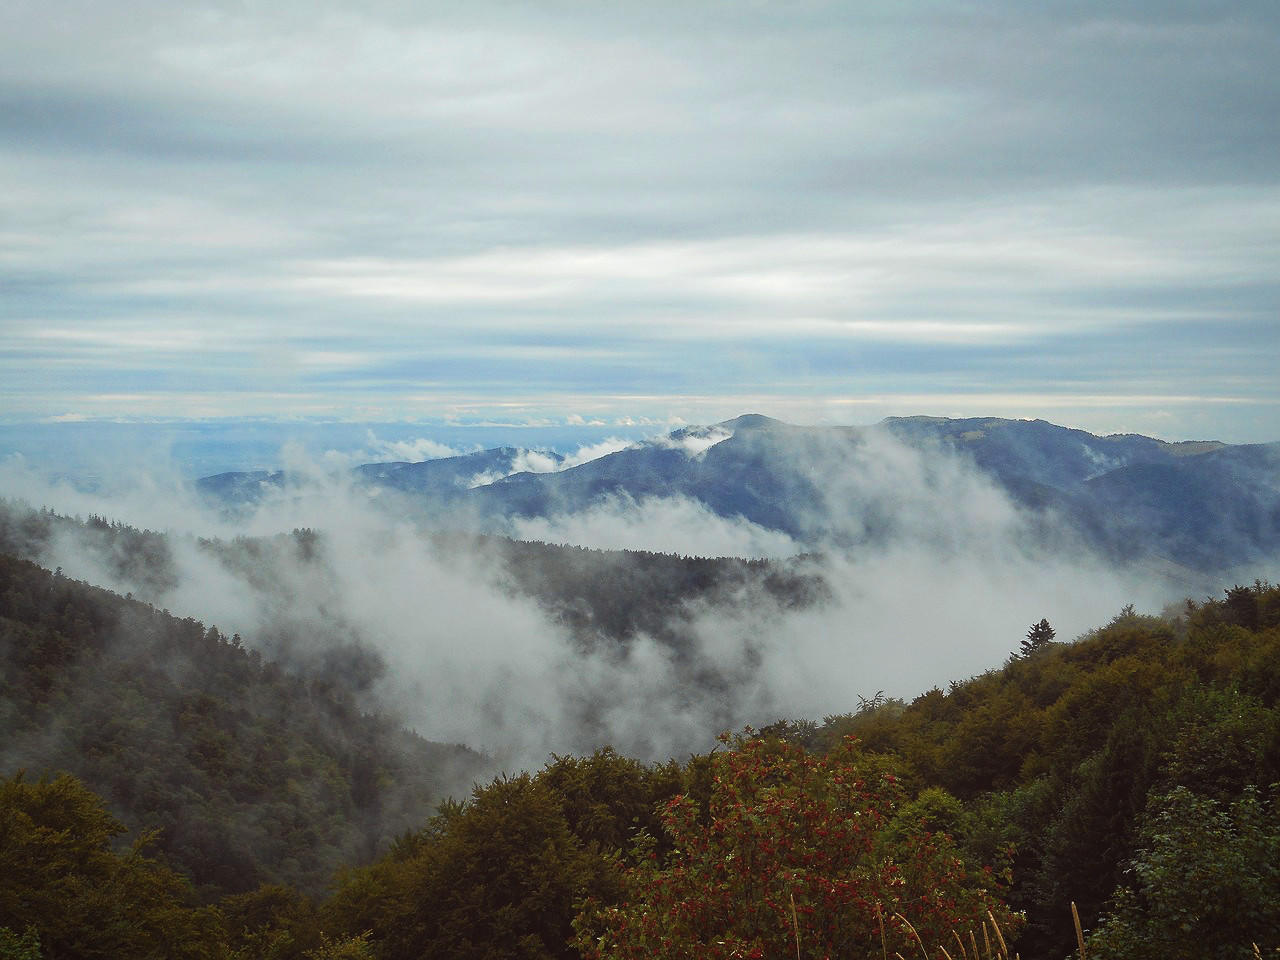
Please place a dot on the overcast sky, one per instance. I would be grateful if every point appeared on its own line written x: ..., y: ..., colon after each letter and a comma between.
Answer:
x: 819, y: 211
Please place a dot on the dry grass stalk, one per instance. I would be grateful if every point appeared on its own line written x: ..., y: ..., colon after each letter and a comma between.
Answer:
x: 880, y: 917
x: 1004, y: 947
x: 919, y: 942
x: 974, y: 940
x: 963, y: 952
x: 944, y: 952
x: 1075, y: 915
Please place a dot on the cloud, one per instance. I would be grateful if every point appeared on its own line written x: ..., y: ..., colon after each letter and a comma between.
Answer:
x: 661, y: 525
x: 535, y: 461
x: 413, y: 451
x: 594, y: 451
x: 876, y: 634
x: 469, y: 658
x: 542, y: 461
x: 147, y: 489
x: 281, y: 211
x: 693, y: 442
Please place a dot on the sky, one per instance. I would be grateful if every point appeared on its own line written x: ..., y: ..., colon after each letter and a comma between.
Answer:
x: 570, y: 212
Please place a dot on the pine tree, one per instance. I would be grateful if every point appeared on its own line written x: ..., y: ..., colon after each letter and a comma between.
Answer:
x: 1039, y: 634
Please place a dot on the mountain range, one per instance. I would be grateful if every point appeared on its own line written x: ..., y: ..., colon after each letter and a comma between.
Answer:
x: 1204, y: 505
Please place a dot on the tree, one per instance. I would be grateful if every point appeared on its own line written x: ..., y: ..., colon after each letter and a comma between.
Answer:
x: 1206, y: 883
x: 497, y: 877
x: 607, y: 797
x: 793, y: 851
x: 347, y: 948
x: 274, y: 922
x: 14, y: 947
x: 62, y: 883
x: 1241, y: 606
x: 1039, y: 634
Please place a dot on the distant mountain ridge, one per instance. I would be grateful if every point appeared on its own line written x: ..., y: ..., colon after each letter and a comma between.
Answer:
x: 440, y: 477
x: 1207, y: 505
x: 1043, y: 451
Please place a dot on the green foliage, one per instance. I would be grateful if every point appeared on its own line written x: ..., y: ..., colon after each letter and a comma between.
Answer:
x: 496, y: 878
x: 274, y: 922
x: 933, y: 811
x: 1057, y: 754
x: 62, y: 881
x: 607, y: 798
x: 1118, y: 769
x: 1081, y: 835
x: 249, y: 775
x: 347, y: 948
x: 792, y: 849
x: 620, y: 594
x: 1205, y: 883
x: 14, y: 947
x: 1223, y: 742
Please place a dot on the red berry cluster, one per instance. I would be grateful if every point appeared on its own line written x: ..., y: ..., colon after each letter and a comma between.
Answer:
x: 792, y: 848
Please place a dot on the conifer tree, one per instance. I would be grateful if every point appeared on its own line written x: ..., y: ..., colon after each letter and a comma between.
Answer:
x: 1039, y: 634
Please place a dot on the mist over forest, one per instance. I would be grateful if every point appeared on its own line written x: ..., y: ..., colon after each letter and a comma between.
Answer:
x: 324, y: 689
x: 522, y: 652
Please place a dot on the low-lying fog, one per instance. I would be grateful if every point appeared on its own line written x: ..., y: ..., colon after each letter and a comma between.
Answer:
x: 954, y: 579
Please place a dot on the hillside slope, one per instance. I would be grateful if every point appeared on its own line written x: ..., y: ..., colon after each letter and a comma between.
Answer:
x: 251, y: 774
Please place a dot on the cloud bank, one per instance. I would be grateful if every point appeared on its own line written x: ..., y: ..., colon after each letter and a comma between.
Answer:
x: 377, y: 210
x: 944, y: 587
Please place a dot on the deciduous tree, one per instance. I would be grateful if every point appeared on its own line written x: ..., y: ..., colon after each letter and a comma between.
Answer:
x: 790, y: 856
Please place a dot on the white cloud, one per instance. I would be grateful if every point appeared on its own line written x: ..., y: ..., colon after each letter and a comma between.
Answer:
x: 412, y: 451
x: 470, y: 661
x: 595, y: 451
x: 541, y: 461
x: 693, y: 442
x: 669, y: 525
x: 535, y: 461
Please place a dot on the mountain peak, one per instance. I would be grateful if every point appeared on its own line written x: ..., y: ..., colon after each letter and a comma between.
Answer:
x: 751, y: 421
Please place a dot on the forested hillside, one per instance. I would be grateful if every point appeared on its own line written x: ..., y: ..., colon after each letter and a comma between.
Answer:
x: 1131, y: 771
x: 617, y: 594
x: 608, y: 595
x: 250, y: 774
x: 1134, y: 771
